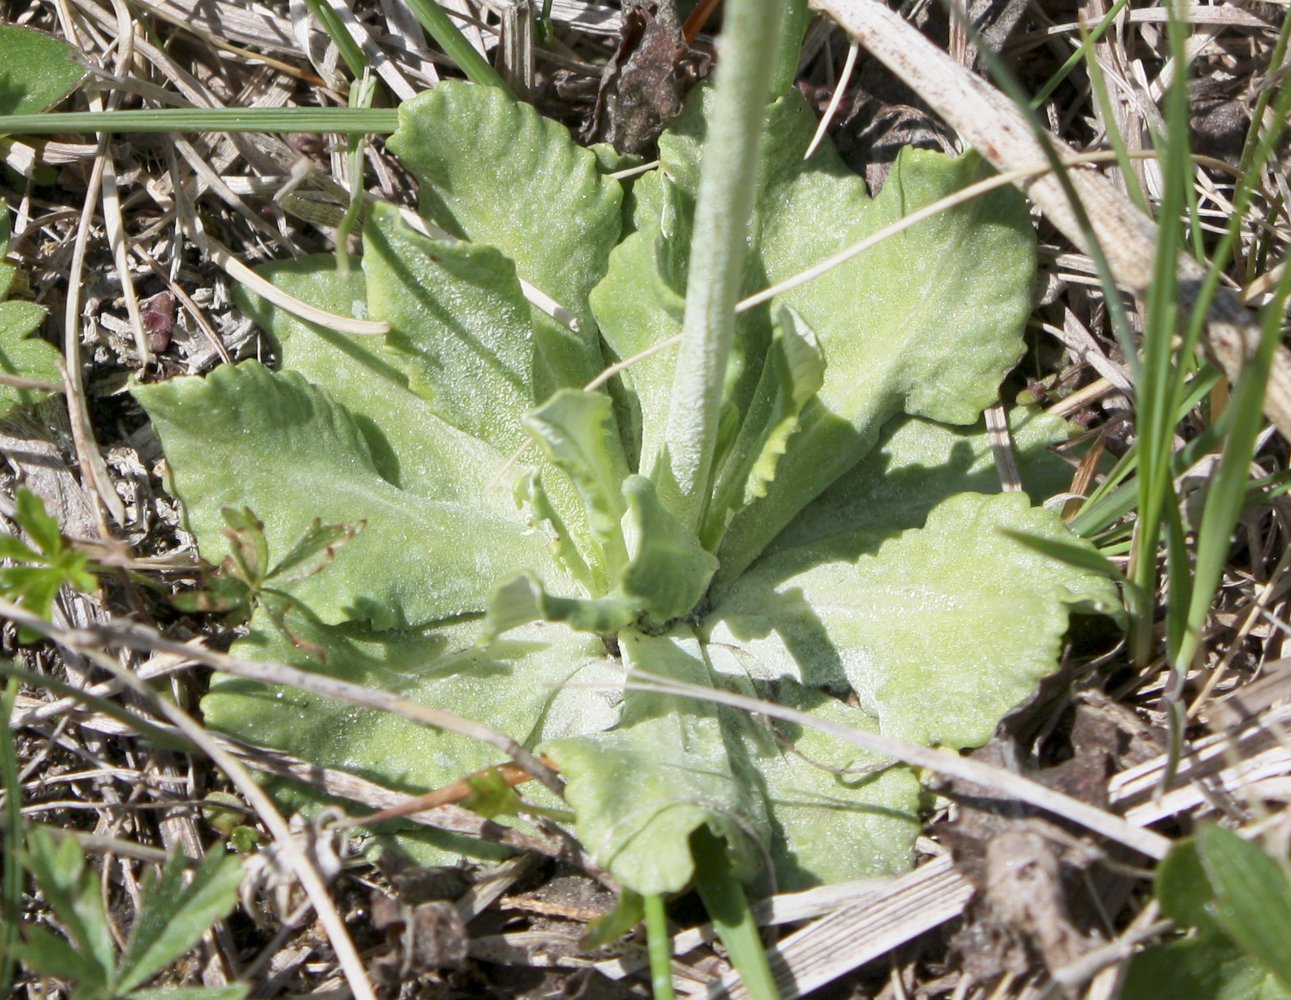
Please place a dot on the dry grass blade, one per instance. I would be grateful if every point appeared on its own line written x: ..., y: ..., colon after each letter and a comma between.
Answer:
x: 271, y: 293
x: 1217, y: 773
x: 994, y: 126
x: 867, y: 929
x: 342, y: 785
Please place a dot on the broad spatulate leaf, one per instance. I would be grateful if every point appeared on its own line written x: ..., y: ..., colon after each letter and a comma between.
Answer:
x: 515, y: 563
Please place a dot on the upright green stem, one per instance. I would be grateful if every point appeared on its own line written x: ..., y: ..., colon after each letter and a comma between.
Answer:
x: 659, y: 947
x: 747, y: 57
x: 795, y: 17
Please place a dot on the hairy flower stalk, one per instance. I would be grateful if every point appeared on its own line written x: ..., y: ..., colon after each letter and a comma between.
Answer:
x: 748, y: 49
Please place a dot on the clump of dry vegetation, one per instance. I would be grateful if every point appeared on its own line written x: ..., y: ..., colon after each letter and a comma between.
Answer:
x: 135, y: 242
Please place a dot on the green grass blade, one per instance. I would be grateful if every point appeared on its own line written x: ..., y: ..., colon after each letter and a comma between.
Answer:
x: 450, y: 38
x: 1009, y: 84
x: 728, y: 908
x: 793, y: 27
x: 1160, y: 380
x: 346, y: 121
x: 11, y: 903
x: 361, y: 95
x: 1256, y: 132
x: 1099, y: 84
x: 336, y: 31
x: 1261, y: 143
x: 659, y: 947
x: 1115, y: 496
x: 1178, y: 570
x: 1229, y: 489
x: 1077, y: 57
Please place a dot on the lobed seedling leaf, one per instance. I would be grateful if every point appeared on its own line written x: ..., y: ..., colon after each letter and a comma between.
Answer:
x: 21, y: 354
x: 176, y: 913
x: 46, y: 569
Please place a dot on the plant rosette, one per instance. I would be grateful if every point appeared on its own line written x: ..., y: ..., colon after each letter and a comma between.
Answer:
x: 851, y: 560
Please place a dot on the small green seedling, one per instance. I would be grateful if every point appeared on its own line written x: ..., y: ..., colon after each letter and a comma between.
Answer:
x: 25, y: 361
x: 81, y: 953
x: 44, y: 570
x: 242, y: 582
x: 227, y: 815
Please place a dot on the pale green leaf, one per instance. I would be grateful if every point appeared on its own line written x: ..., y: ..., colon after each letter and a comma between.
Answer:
x: 789, y: 797
x: 524, y: 600
x: 575, y: 430
x: 791, y: 375
x: 539, y: 682
x: 176, y: 913
x: 459, y: 325
x: 917, y: 464
x: 642, y: 789
x: 531, y: 493
x: 638, y: 306
x: 940, y: 632
x: 460, y: 329
x: 670, y: 570
x: 39, y: 70
x: 839, y: 814
x: 496, y: 172
x: 945, y: 301
x: 282, y: 447
x: 412, y: 447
